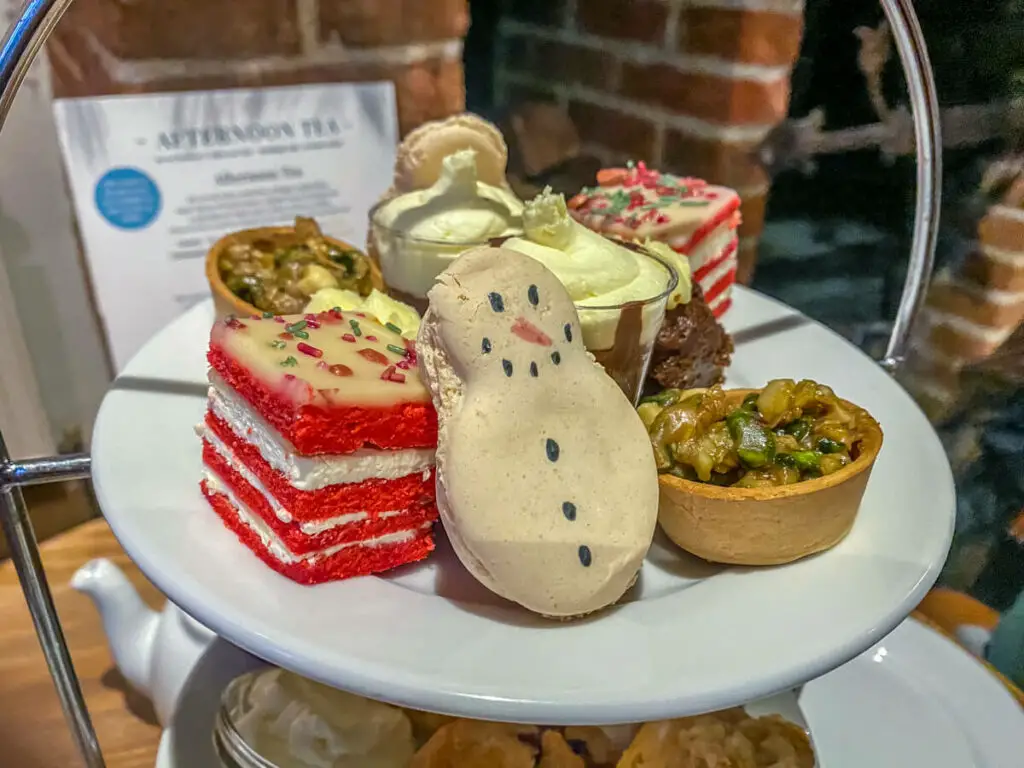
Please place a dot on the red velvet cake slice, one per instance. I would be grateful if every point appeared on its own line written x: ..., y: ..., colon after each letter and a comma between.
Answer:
x: 329, y: 383
x: 691, y: 216
x: 342, y: 561
x: 318, y: 444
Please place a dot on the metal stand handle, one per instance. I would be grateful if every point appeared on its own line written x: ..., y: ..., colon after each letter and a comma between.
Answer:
x: 924, y: 106
x: 17, y: 51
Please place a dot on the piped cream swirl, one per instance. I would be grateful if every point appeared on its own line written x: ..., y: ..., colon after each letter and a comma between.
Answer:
x: 596, y: 270
x: 418, y: 234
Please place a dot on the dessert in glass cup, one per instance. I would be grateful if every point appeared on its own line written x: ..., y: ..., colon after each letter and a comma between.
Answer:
x: 620, y: 290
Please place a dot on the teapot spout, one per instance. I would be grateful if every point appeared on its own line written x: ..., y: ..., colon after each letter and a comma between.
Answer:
x: 129, y: 624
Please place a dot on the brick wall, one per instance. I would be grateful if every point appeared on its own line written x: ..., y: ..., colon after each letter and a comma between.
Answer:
x: 143, y: 46
x: 969, y: 311
x: 690, y: 86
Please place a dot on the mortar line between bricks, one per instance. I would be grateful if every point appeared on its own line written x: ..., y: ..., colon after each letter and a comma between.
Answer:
x: 140, y: 71
x: 780, y: 7
x: 307, y: 16
x: 757, y: 190
x: 981, y: 293
x: 645, y: 55
x: 569, y: 15
x: 693, y: 126
x: 658, y: 145
x: 990, y: 334
x: 670, y: 43
x: 1003, y: 256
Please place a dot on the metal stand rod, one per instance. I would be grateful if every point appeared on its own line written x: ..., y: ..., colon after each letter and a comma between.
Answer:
x: 17, y: 51
x: 924, y: 106
x: 25, y: 553
x: 55, y: 469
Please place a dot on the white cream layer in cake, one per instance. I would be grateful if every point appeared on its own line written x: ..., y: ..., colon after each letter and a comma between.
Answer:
x: 710, y: 247
x: 279, y: 549
x: 720, y: 299
x: 309, y: 527
x: 717, y: 273
x: 311, y: 473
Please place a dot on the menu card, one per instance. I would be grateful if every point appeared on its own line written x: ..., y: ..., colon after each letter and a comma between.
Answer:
x: 157, y: 179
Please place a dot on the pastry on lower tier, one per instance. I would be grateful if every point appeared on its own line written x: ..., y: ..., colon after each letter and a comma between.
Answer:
x: 691, y: 216
x: 318, y: 443
x: 730, y: 738
x: 546, y: 480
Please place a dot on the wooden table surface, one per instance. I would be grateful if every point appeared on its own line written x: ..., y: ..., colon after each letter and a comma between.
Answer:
x: 33, y: 733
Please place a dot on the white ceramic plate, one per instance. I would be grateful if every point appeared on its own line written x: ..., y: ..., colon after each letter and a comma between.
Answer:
x: 690, y: 637
x: 914, y: 700
x: 188, y: 741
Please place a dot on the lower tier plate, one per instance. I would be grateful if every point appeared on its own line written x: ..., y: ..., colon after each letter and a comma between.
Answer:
x: 915, y: 699
x: 689, y: 637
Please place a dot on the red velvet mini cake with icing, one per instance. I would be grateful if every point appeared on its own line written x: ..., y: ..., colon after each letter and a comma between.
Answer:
x: 318, y: 443
x: 691, y: 216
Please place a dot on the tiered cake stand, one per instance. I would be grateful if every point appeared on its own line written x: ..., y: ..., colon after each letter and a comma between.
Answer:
x: 689, y: 638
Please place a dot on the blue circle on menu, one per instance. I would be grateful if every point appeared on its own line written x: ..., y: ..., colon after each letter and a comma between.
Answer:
x: 127, y: 198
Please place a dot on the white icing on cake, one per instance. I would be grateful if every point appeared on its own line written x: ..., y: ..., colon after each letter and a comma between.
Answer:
x: 279, y: 549
x: 311, y: 473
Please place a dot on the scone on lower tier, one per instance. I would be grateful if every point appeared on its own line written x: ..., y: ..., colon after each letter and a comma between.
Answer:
x: 318, y: 444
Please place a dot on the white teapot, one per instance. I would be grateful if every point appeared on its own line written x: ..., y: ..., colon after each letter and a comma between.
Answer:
x: 154, y: 651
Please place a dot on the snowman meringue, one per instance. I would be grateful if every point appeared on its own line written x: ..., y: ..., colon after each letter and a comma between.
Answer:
x: 546, y: 483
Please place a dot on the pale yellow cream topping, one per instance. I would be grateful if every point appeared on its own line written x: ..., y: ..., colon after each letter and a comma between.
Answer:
x: 338, y: 357
x: 418, y: 234
x: 378, y: 305
x: 596, y: 271
x: 458, y: 208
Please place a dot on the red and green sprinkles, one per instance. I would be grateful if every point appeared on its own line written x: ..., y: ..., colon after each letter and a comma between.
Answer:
x: 390, y: 374
x: 640, y: 196
x: 373, y: 355
x: 393, y: 370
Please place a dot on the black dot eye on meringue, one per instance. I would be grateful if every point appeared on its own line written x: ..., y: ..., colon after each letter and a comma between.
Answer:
x: 533, y: 295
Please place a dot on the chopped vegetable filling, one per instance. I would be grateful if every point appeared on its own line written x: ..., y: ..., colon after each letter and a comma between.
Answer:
x: 281, y: 279
x: 788, y: 432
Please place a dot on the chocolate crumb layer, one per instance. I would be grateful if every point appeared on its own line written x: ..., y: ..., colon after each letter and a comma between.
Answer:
x: 692, y: 349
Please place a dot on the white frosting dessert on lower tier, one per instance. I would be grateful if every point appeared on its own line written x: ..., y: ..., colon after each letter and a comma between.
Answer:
x: 311, y: 473
x: 279, y: 549
x: 297, y: 723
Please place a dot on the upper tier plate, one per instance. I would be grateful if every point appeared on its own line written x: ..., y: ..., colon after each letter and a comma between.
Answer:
x: 690, y: 637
